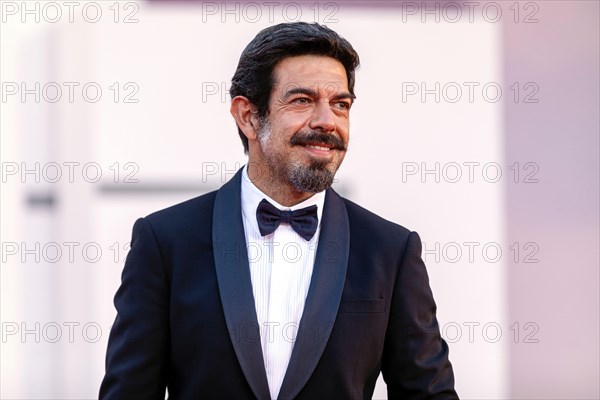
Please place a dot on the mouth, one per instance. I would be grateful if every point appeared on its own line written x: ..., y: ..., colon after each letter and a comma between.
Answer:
x: 319, y: 149
x: 319, y: 145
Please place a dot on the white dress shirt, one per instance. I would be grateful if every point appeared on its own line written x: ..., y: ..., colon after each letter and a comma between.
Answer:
x: 281, y: 266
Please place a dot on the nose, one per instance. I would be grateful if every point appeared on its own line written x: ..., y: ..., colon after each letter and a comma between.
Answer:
x: 323, y: 118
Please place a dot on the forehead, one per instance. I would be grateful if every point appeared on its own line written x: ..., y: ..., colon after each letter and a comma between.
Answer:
x: 310, y: 71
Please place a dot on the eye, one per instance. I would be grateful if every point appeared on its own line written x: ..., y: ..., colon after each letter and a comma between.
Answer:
x: 301, y: 100
x: 343, y: 105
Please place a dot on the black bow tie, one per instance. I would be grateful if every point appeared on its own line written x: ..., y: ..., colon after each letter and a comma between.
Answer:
x: 303, y: 221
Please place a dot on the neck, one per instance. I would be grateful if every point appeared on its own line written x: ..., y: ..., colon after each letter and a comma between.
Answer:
x: 275, y: 187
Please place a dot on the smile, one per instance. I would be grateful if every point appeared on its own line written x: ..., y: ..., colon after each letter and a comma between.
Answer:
x: 318, y: 147
x: 319, y: 151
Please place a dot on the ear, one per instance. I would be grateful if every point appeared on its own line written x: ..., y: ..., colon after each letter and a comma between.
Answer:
x: 245, y: 115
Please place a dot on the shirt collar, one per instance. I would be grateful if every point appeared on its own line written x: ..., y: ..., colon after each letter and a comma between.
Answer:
x: 251, y: 196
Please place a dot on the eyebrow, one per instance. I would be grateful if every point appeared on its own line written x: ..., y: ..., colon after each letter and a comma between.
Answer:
x: 313, y: 93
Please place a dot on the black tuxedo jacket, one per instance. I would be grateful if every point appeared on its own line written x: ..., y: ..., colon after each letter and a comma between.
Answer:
x: 187, y: 321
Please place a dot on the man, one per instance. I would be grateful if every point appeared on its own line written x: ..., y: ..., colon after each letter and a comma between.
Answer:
x: 275, y: 286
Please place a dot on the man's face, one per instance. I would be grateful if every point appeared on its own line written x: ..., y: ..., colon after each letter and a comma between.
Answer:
x: 304, y: 138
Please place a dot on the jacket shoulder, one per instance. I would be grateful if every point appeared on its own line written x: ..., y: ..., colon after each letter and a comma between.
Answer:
x: 181, y: 217
x: 368, y: 222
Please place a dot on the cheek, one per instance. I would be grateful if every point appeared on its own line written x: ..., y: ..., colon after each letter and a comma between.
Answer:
x: 344, y: 133
x: 288, y: 131
x: 343, y: 126
x: 280, y: 141
x: 296, y: 121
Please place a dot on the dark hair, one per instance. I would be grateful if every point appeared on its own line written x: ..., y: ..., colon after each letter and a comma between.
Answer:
x: 253, y: 77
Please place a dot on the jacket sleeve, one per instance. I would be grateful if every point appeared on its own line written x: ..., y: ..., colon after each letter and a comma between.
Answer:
x: 138, y: 346
x: 415, y: 361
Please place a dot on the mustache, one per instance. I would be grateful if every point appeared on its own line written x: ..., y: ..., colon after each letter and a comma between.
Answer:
x: 314, y: 137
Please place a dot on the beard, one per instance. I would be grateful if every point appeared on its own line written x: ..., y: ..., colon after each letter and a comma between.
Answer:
x: 312, y: 178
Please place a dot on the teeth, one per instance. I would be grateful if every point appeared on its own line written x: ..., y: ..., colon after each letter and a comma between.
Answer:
x: 317, y: 147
